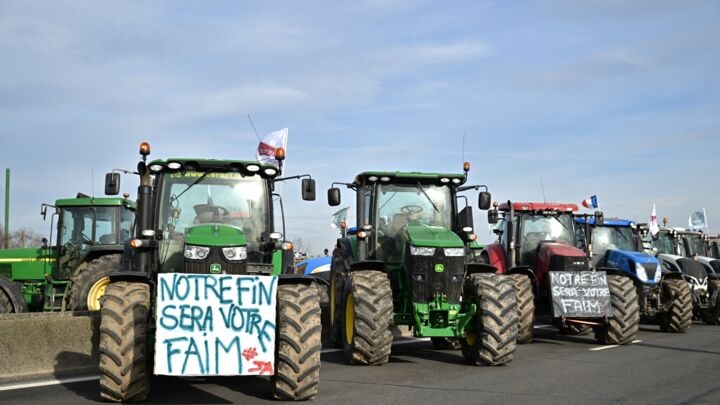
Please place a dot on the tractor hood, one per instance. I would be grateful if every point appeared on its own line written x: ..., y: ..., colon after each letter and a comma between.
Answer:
x: 432, y: 236
x: 215, y: 235
x: 628, y: 262
x: 561, y: 249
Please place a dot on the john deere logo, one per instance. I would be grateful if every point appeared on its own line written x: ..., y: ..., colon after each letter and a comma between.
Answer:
x: 439, y: 268
x: 215, y: 268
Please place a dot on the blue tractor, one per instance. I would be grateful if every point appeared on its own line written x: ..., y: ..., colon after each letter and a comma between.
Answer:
x: 617, y: 243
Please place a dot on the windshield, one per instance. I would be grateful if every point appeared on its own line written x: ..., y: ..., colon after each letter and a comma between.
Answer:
x: 194, y: 198
x: 664, y: 243
x: 537, y: 227
x: 611, y: 237
x: 95, y: 225
x: 695, y: 244
x: 400, y: 204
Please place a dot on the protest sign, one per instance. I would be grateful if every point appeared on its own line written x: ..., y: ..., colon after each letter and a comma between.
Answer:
x: 583, y: 294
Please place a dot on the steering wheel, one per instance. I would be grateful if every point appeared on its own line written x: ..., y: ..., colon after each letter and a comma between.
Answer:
x: 411, y: 209
x: 207, y: 213
x: 86, y: 239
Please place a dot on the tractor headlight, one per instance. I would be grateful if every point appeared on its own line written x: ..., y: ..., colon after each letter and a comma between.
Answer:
x: 640, y: 271
x: 196, y: 252
x: 235, y: 253
x: 422, y: 251
x: 454, y: 251
x: 658, y: 274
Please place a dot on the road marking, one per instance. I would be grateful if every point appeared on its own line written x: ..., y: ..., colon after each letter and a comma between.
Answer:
x: 44, y: 383
x: 400, y: 342
x: 595, y: 349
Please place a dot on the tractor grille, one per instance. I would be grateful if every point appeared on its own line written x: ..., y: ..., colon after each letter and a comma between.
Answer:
x: 568, y: 263
x: 426, y: 282
x: 215, y: 256
x: 650, y: 269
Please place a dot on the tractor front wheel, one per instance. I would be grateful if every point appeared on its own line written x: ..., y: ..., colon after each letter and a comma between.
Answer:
x: 89, y: 284
x: 123, y: 342
x: 11, y: 297
x: 623, y: 327
x: 367, y: 315
x: 525, y: 307
x: 678, y: 317
x: 711, y: 315
x: 492, y: 337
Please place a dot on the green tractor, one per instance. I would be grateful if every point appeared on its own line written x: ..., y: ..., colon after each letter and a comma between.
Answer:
x: 206, y: 220
x: 410, y: 262
x: 72, y: 274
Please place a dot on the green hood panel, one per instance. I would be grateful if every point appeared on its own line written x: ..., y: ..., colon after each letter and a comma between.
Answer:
x: 432, y: 236
x: 215, y: 235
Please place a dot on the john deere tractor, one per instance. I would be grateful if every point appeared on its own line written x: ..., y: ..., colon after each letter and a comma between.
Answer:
x: 212, y: 218
x: 678, y: 252
x: 617, y: 243
x: 73, y: 273
x: 536, y: 242
x: 408, y: 264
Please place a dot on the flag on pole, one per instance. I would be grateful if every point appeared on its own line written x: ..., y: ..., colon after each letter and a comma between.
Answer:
x: 698, y: 220
x: 338, y: 218
x: 653, y: 225
x: 269, y: 145
x: 590, y: 202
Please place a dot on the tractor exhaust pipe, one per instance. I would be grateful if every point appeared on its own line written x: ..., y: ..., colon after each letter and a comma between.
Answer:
x: 511, y: 237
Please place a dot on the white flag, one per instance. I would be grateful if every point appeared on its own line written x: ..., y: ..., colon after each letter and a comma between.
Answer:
x: 698, y: 220
x: 338, y: 218
x: 269, y: 144
x: 653, y: 225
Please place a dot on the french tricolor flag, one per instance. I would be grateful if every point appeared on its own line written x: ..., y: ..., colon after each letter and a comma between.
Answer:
x: 590, y: 202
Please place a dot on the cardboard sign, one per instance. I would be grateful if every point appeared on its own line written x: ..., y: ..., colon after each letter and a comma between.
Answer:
x: 210, y: 324
x: 580, y: 294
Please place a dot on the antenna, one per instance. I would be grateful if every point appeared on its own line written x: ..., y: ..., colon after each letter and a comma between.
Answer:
x: 463, y: 149
x: 253, y: 127
x: 92, y: 182
x: 542, y: 187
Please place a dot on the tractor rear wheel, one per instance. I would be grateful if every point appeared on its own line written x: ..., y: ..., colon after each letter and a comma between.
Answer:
x: 623, y: 327
x: 366, y: 318
x: 525, y: 307
x: 297, y: 369
x: 711, y: 315
x: 492, y: 337
x: 124, y: 374
x: 678, y: 317
x: 90, y: 283
x: 11, y: 297
x: 5, y: 304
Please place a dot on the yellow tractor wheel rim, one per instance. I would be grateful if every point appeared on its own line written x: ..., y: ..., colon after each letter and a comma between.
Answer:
x: 470, y: 338
x: 96, y: 291
x: 349, y: 319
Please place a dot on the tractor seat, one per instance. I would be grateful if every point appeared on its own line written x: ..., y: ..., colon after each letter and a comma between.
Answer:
x: 107, y: 239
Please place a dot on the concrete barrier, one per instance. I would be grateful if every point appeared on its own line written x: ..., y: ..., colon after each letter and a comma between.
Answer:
x: 59, y: 344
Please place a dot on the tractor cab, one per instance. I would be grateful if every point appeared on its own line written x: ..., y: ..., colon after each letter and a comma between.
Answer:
x: 89, y: 227
x: 696, y: 245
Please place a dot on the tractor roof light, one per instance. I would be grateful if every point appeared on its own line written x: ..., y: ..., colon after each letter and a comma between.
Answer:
x: 270, y: 171
x: 156, y: 168
x: 444, y: 180
x: 456, y: 180
x: 466, y: 166
x: 495, y: 204
x: 276, y: 236
x: 174, y: 165
x: 385, y: 179
x: 280, y: 154
x: 287, y: 246
x: 467, y: 229
x: 472, y: 237
x: 144, y: 149
x: 148, y: 232
x: 252, y: 168
x: 373, y: 179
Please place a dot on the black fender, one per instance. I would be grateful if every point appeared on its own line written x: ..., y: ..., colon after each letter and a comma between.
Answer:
x: 14, y: 293
x: 476, y: 268
x: 344, y: 250
x: 613, y: 271
x: 132, y: 276
x: 671, y: 275
x: 526, y: 270
x: 368, y: 265
x: 300, y: 279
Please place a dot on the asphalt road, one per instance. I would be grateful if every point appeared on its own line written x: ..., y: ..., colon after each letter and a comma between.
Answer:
x: 661, y: 368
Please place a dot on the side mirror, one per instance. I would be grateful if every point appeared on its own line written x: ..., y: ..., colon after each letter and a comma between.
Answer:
x: 308, y: 189
x: 484, y: 200
x: 334, y: 196
x: 112, y: 184
x: 492, y: 217
x: 599, y: 218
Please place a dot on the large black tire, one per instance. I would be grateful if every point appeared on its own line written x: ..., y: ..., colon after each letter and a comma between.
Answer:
x: 493, y: 340
x: 367, y: 314
x: 92, y: 279
x: 11, y: 297
x: 711, y: 316
x: 623, y: 327
x: 525, y: 307
x: 678, y: 317
x: 335, y: 300
x: 298, y: 344
x: 124, y: 374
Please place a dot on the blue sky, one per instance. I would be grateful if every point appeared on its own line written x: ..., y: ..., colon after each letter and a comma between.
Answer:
x: 615, y: 98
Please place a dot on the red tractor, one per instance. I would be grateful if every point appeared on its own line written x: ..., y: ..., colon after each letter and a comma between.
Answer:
x: 536, y: 243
